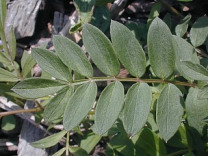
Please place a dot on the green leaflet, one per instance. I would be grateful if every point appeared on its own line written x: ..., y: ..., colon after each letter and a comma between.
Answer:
x: 85, y: 9
x: 182, y: 27
x: 161, y: 49
x: 169, y: 111
x: 12, y: 44
x: 51, y: 64
x: 151, y: 143
x: 197, y: 110
x: 108, y: 107
x: 72, y: 56
x: 199, y: 31
x: 49, y: 141
x: 136, y: 108
x: 6, y: 76
x: 128, y: 49
x: 77, y: 151
x: 185, y: 52
x: 101, y: 18
x: 195, y: 71
x: 89, y: 141
x: 79, y: 105
x: 2, y: 11
x: 203, y: 93
x: 37, y: 87
x: 56, y: 106
x: 60, y: 152
x: 155, y: 11
x: 8, y: 123
x: 100, y: 49
x: 27, y: 63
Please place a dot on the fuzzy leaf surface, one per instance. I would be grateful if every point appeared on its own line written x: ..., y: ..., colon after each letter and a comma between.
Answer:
x: 56, y: 106
x: 169, y: 111
x: 72, y: 56
x: 199, y: 31
x: 100, y: 49
x: 108, y: 107
x: 203, y: 93
x: 12, y: 43
x: 37, y: 87
x: 49, y: 141
x: 184, y: 52
x: 128, y: 49
x: 182, y: 27
x: 79, y: 105
x: 6, y: 76
x: 136, y: 108
x: 197, y: 110
x: 51, y: 64
x: 27, y: 63
x: 160, y: 49
x: 195, y: 71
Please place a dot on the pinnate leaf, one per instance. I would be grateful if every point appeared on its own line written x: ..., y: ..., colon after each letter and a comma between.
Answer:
x: 128, y: 49
x: 136, y: 108
x: 100, y: 49
x: 37, y: 87
x: 79, y: 105
x: 160, y: 49
x: 51, y: 64
x: 56, y: 106
x: 169, y: 111
x: 49, y: 141
x: 108, y: 107
x: 72, y: 56
x: 199, y: 31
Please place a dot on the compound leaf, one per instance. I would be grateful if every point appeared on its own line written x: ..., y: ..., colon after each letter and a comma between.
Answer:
x: 12, y: 44
x: 136, y: 108
x: 169, y: 111
x: 72, y: 56
x: 128, y: 49
x: 51, y: 64
x: 108, y: 107
x: 49, y: 141
x: 161, y: 49
x: 100, y: 49
x: 37, y: 87
x: 79, y: 105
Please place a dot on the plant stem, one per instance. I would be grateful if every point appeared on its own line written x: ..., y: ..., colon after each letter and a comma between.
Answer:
x: 179, y: 152
x: 67, y: 144
x: 20, y: 111
x: 97, y: 79
x: 172, y: 9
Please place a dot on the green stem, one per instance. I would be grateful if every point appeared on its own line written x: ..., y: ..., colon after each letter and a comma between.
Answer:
x: 67, y: 144
x: 97, y: 79
x: 179, y: 152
